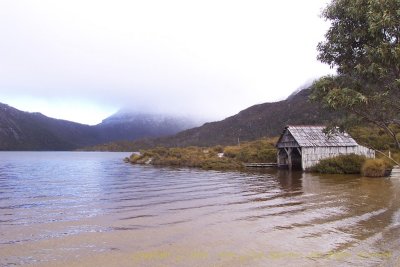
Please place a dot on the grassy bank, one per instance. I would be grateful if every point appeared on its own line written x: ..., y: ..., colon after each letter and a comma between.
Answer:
x: 210, y: 158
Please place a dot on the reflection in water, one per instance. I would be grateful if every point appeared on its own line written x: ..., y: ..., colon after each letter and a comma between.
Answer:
x: 92, y: 209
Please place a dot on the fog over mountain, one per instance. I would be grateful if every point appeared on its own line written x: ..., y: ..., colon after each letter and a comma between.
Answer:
x: 21, y: 130
x: 257, y: 121
x: 130, y: 125
x: 84, y: 60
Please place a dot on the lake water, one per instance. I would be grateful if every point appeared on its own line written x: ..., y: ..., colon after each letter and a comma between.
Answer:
x: 92, y: 209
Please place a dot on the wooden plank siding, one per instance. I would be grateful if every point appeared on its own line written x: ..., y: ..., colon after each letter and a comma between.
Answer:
x: 312, y: 155
x: 287, y: 140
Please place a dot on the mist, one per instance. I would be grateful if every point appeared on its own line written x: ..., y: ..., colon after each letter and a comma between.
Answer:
x: 80, y: 60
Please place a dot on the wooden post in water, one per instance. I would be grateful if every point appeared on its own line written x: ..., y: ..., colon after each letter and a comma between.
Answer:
x: 289, y: 154
x: 278, y: 158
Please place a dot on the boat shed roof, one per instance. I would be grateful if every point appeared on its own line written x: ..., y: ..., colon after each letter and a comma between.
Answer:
x: 314, y: 136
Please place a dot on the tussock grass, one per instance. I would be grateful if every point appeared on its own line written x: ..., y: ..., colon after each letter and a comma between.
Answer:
x: 344, y: 164
x: 374, y: 168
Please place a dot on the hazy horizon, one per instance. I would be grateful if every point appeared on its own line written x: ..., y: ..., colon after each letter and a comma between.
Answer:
x: 84, y: 60
x: 195, y: 118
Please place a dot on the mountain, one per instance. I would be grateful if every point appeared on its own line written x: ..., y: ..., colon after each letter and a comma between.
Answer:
x: 267, y: 119
x: 128, y: 125
x: 33, y: 131
x: 21, y: 130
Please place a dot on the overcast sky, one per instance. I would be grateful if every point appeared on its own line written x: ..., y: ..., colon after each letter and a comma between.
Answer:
x: 82, y: 60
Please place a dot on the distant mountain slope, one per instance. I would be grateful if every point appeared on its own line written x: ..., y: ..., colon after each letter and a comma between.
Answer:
x: 21, y: 130
x: 33, y: 131
x: 261, y: 120
x: 127, y: 125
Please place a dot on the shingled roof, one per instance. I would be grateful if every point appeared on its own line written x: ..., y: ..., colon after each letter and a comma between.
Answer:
x: 314, y: 136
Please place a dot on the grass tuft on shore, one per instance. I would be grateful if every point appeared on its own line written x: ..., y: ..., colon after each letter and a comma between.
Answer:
x: 375, y: 168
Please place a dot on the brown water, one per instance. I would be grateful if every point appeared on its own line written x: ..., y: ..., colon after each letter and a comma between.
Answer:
x: 91, y: 209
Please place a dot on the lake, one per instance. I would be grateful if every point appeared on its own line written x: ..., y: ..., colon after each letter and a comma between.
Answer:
x: 92, y: 209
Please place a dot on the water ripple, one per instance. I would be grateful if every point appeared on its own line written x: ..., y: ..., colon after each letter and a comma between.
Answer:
x: 77, y: 197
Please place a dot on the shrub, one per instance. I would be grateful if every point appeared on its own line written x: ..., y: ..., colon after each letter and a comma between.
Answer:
x: 135, y: 157
x: 231, y: 151
x: 262, y: 150
x: 221, y: 164
x: 266, y: 155
x: 218, y: 149
x: 245, y: 155
x: 374, y: 168
x: 344, y: 164
x: 372, y: 136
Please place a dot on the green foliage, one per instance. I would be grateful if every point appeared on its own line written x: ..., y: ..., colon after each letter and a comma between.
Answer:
x: 374, y: 168
x: 363, y: 44
x: 363, y: 37
x: 344, y: 164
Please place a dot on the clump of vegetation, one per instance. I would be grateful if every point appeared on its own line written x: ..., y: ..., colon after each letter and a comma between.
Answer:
x: 262, y: 150
x: 215, y: 158
x: 205, y: 158
x: 373, y: 137
x: 344, y: 164
x: 375, y: 168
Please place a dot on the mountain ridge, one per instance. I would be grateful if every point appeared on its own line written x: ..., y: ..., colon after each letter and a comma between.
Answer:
x: 257, y: 121
x: 20, y: 130
x: 267, y: 119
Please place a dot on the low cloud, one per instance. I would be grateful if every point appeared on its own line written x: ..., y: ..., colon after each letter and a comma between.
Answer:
x: 207, y: 58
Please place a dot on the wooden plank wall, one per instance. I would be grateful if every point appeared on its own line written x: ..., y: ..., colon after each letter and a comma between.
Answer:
x: 312, y: 155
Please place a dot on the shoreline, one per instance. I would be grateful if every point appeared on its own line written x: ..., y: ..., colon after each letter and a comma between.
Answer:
x: 209, y: 158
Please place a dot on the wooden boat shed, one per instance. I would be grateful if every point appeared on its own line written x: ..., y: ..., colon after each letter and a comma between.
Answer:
x: 302, y: 147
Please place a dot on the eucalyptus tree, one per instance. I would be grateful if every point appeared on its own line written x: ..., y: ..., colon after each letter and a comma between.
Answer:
x: 363, y: 45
